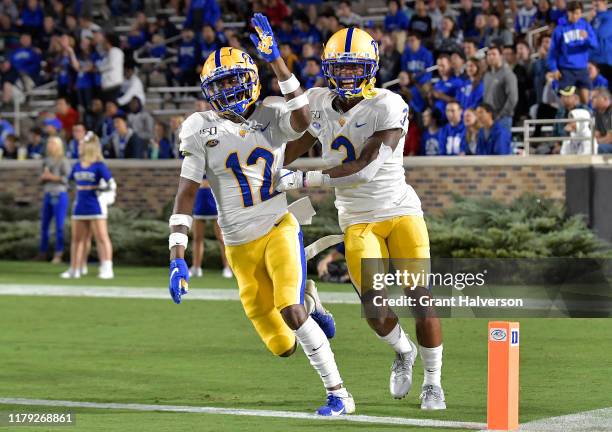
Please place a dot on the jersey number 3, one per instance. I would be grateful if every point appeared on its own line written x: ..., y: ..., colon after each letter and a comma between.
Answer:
x: 265, y: 192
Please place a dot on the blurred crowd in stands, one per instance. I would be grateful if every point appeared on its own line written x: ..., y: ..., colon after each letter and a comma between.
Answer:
x: 468, y: 71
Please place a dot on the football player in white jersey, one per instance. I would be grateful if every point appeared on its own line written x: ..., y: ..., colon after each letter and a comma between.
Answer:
x: 239, y: 146
x: 361, y: 131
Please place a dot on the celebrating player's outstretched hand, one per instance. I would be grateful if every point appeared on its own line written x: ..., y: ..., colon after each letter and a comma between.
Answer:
x: 179, y: 278
x: 264, y: 39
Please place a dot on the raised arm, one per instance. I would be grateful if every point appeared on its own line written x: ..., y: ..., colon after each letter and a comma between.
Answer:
x: 297, y: 102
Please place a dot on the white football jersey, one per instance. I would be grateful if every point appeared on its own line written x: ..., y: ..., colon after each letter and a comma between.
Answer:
x: 343, y: 137
x: 239, y: 161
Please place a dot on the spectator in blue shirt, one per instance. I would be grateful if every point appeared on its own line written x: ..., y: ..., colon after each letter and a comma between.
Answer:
x: 466, y: 21
x: 493, y: 138
x: 447, y: 87
x: 208, y: 42
x: 78, y: 133
x: 602, y: 25
x: 596, y: 78
x: 31, y: 18
x: 164, y: 25
x: 6, y: 129
x: 159, y: 146
x: 431, y: 143
x: 452, y: 137
x: 569, y: 51
x: 396, y: 19
x: 304, y: 32
x: 312, y: 76
x: 409, y: 92
x: 558, y: 12
x: 26, y: 59
x: 202, y: 12
x: 416, y: 59
x: 188, y: 59
x: 543, y: 17
x: 525, y: 18
x: 471, y: 92
x: 36, y: 144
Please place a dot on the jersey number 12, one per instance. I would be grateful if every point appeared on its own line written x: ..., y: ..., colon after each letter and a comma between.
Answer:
x: 265, y: 192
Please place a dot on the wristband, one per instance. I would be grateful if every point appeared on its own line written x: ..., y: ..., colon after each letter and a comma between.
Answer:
x: 315, y: 178
x: 297, y: 102
x: 289, y: 86
x: 177, y: 239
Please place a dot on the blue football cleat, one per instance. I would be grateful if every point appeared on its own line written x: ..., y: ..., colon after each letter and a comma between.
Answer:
x: 337, y: 406
x: 326, y: 322
x: 315, y: 308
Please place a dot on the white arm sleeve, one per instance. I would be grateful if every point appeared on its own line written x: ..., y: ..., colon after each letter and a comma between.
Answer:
x: 317, y: 178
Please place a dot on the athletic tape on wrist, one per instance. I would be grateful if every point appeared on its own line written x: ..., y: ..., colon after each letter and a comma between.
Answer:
x: 180, y: 219
x: 289, y: 86
x: 177, y: 239
x: 297, y: 102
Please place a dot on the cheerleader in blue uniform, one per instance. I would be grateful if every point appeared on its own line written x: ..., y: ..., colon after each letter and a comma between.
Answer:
x: 205, y: 209
x: 95, y: 190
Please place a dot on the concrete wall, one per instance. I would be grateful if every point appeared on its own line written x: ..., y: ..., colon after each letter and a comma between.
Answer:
x: 148, y: 185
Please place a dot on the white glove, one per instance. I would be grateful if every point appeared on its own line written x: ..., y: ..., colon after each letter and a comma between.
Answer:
x: 289, y: 180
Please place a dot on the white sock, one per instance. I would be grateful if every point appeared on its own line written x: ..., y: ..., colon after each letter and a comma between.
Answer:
x: 317, y: 349
x: 432, y: 364
x: 106, y: 265
x: 398, y: 340
x: 342, y: 392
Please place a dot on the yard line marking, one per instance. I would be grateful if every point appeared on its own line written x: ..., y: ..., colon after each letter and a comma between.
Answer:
x: 146, y: 293
x: 247, y: 412
x: 119, y: 292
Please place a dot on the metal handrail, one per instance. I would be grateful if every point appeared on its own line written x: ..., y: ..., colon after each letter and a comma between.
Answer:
x: 185, y: 89
x: 526, y: 127
x: 532, y: 33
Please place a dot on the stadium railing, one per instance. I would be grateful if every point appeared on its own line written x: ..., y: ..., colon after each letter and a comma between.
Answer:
x: 527, y: 140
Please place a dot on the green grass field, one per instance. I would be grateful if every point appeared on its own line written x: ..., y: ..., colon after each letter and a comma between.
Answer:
x: 206, y: 353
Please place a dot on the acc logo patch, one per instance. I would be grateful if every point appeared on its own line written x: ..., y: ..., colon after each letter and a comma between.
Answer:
x: 498, y: 334
x: 212, y: 143
x: 316, y: 125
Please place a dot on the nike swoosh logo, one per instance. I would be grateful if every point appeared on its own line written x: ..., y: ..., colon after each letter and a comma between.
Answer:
x: 340, y: 411
x: 173, y: 271
x: 357, y: 125
x: 264, y: 128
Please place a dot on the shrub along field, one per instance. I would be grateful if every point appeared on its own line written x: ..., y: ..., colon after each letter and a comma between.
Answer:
x: 530, y: 227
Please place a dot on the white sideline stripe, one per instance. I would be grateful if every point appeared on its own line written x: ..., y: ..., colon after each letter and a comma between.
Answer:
x: 146, y: 293
x: 247, y: 412
x: 592, y: 421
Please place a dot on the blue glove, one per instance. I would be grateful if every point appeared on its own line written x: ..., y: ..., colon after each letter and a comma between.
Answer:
x: 264, y: 39
x: 179, y: 278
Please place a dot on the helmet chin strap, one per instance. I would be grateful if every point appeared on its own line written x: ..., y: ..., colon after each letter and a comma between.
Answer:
x: 238, y: 116
x: 366, y: 91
